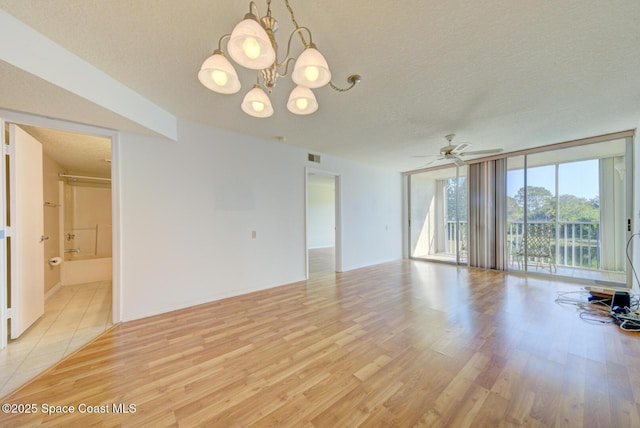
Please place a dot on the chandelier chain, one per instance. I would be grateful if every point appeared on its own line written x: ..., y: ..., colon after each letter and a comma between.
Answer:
x: 352, y: 80
x: 286, y: 2
x: 334, y: 87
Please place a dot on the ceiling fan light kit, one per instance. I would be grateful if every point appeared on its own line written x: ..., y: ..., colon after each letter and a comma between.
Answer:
x: 252, y: 44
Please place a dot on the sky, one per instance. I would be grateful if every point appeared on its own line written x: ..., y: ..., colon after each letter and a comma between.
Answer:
x: 575, y: 178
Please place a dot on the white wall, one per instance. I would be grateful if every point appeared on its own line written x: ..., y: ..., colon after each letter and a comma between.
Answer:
x: 188, y: 209
x: 423, y: 215
x: 51, y: 169
x: 321, y: 216
x: 88, y: 218
x: 635, y: 221
x: 371, y: 210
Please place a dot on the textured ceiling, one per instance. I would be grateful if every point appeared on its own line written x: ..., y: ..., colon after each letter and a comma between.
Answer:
x: 76, y: 153
x: 498, y: 73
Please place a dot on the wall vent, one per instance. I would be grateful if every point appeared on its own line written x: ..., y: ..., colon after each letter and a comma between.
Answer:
x: 314, y: 158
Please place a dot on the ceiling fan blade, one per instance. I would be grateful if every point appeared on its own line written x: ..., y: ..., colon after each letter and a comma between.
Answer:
x: 427, y: 164
x: 431, y: 162
x: 458, y: 161
x: 483, y: 152
x: 424, y: 156
x: 461, y: 147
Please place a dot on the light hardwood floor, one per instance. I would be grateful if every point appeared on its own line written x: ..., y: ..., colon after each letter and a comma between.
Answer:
x: 399, y: 344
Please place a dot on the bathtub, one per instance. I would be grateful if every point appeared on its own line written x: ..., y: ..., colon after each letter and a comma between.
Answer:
x: 85, y: 270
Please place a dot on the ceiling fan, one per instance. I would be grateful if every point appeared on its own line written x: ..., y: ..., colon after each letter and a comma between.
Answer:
x: 455, y: 153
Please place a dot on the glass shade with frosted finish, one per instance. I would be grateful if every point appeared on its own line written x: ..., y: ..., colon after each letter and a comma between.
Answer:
x: 256, y: 103
x: 302, y: 101
x: 218, y: 74
x: 311, y: 70
x: 250, y: 46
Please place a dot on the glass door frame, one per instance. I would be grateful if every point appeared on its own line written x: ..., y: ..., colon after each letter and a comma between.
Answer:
x: 628, y: 137
x: 444, y: 229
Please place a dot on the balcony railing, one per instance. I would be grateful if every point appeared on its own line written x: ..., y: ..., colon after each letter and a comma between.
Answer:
x: 575, y: 244
x: 450, y: 243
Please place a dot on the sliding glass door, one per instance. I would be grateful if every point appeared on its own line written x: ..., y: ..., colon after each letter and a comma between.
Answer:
x: 438, y: 215
x: 567, y: 211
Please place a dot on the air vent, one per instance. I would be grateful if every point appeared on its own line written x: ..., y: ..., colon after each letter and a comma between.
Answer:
x: 314, y: 158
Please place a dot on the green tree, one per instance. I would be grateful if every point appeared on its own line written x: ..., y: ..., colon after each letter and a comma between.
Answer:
x: 542, y: 206
x: 540, y: 203
x: 452, y: 202
x: 515, y: 211
x: 574, y: 208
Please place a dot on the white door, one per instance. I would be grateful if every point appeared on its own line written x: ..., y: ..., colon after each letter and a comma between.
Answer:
x: 27, y: 230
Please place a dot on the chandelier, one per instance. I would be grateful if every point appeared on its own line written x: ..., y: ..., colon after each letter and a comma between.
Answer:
x: 252, y: 44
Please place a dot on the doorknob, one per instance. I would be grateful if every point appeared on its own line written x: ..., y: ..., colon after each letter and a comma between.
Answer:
x: 43, y: 238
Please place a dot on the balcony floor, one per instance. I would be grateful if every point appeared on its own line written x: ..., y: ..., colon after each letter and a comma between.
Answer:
x: 566, y: 272
x: 578, y: 273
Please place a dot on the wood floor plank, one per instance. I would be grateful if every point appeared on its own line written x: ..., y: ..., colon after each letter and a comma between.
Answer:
x: 405, y: 343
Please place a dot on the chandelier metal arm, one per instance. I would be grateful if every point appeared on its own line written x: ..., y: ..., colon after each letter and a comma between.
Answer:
x: 226, y: 36
x: 286, y: 69
x: 353, y: 80
x: 287, y: 58
x: 252, y: 3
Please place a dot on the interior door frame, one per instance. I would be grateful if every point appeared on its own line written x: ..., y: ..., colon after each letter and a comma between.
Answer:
x: 338, y: 217
x: 7, y: 116
x: 4, y: 316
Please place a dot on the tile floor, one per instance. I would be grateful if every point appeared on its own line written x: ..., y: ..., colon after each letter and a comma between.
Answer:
x: 73, y: 316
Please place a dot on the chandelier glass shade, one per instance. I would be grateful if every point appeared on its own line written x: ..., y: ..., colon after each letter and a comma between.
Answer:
x: 256, y: 103
x: 311, y: 69
x: 302, y: 101
x: 218, y: 74
x: 252, y: 45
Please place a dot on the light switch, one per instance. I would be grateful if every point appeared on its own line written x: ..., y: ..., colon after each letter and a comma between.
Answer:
x: 253, y: 234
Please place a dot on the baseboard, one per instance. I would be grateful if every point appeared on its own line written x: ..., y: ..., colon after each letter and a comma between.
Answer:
x: 52, y: 291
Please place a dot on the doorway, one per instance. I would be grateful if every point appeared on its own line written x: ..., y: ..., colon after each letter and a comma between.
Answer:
x: 438, y: 214
x: 322, y: 223
x: 76, y: 309
x: 568, y: 211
